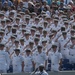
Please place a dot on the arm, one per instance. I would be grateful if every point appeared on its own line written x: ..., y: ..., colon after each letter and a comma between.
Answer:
x: 7, y: 60
x: 45, y: 64
x: 33, y: 65
x: 67, y: 43
x: 60, y: 61
x: 45, y: 60
x: 48, y: 51
x: 22, y: 61
x: 23, y: 66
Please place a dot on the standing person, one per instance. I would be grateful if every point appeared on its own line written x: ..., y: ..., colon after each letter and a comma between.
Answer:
x: 4, y: 59
x: 71, y: 47
x: 17, y: 62
x: 40, y: 57
x: 62, y: 41
x: 28, y: 61
x: 56, y: 58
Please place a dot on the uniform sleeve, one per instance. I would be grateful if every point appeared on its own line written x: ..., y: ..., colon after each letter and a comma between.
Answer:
x: 22, y: 59
x: 60, y: 56
x: 45, y: 56
x: 37, y: 73
x: 49, y: 56
x: 7, y: 60
x: 68, y: 45
x: 32, y: 58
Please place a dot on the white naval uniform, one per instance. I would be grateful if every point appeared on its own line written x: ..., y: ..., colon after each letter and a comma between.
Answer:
x: 41, y: 73
x: 22, y: 48
x: 55, y: 58
x: 4, y: 61
x: 63, y: 50
x: 53, y: 27
x: 28, y: 66
x: 39, y: 58
x: 17, y: 63
x: 71, y: 53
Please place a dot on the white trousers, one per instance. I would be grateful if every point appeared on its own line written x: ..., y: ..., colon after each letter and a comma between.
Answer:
x: 54, y: 67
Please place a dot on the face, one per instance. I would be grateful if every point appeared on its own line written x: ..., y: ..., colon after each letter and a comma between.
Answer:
x: 39, y: 50
x: 28, y: 53
x: 45, y: 25
x: 36, y: 21
x: 12, y: 39
x: 66, y: 25
x: 3, y: 23
x: 9, y: 28
x: 73, y: 41
x: 72, y: 33
x: 44, y: 43
x: 8, y: 23
x: 27, y: 36
x: 2, y: 47
x: 64, y: 35
x: 36, y: 42
x: 54, y: 49
x: 17, y: 52
x: 2, y: 34
x: 16, y: 43
x: 27, y: 20
x: 23, y: 26
x: 22, y: 42
x: 40, y: 30
x: 32, y: 32
x: 55, y: 23
x: 17, y: 21
x: 31, y: 44
x: 41, y: 68
x: 44, y: 33
x: 48, y: 20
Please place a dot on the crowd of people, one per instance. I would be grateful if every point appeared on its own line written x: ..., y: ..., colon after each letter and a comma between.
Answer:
x: 35, y: 32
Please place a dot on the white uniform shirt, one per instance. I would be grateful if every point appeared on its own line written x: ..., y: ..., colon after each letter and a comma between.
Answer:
x: 17, y: 63
x: 55, y: 58
x: 53, y: 27
x: 71, y: 52
x: 62, y: 42
x: 4, y: 60
x: 39, y: 58
x: 41, y: 73
x: 28, y: 63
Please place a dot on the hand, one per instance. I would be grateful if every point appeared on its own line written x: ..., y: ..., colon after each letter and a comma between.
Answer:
x: 72, y: 46
x: 60, y: 68
x: 22, y: 70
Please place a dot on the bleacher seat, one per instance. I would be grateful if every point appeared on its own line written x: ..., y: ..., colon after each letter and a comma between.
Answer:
x: 66, y: 65
x: 10, y: 69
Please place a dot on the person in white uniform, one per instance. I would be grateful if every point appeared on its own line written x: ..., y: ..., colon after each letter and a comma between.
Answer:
x: 17, y: 62
x: 56, y: 58
x: 4, y: 60
x: 40, y: 57
x: 29, y: 65
x: 41, y: 71
x: 71, y: 47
